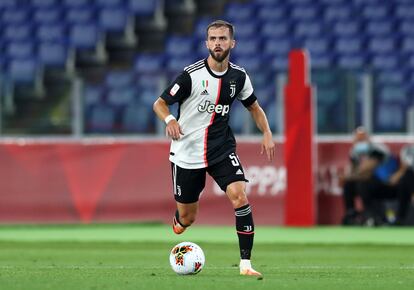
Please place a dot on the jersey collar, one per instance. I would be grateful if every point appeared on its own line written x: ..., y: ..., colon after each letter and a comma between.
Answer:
x: 212, y: 73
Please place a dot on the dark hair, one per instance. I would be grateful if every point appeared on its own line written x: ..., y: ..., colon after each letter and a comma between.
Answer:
x: 221, y: 23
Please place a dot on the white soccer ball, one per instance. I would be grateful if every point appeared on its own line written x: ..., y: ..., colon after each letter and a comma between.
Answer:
x: 187, y: 258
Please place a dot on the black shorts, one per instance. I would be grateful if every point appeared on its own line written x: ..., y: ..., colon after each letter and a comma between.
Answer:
x: 189, y: 183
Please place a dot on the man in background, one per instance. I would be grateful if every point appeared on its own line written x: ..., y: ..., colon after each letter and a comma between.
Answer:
x: 370, y: 179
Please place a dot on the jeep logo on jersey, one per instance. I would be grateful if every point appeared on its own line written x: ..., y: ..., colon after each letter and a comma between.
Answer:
x: 211, y: 108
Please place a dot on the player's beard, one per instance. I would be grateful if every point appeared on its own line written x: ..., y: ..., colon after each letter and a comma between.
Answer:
x: 219, y: 57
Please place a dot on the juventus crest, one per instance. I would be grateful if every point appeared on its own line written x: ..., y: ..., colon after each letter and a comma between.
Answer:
x: 232, y: 89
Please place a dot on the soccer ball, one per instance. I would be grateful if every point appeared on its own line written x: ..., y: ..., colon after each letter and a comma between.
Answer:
x: 187, y: 258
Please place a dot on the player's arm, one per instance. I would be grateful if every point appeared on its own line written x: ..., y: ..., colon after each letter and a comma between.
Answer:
x: 173, y: 129
x: 259, y: 117
x: 177, y: 91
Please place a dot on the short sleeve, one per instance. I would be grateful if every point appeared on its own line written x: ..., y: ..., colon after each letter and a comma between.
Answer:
x: 246, y: 95
x: 178, y: 90
x: 247, y: 89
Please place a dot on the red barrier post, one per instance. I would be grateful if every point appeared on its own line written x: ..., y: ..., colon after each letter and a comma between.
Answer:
x: 299, y: 143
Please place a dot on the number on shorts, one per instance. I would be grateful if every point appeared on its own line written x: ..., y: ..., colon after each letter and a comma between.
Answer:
x: 234, y: 159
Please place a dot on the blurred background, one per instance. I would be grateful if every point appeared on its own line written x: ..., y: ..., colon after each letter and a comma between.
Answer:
x: 94, y: 67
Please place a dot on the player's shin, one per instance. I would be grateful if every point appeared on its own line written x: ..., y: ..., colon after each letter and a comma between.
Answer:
x: 245, y: 230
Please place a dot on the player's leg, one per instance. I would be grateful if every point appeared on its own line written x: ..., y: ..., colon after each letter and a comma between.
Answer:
x: 187, y: 186
x: 184, y: 216
x: 229, y: 175
x: 236, y: 192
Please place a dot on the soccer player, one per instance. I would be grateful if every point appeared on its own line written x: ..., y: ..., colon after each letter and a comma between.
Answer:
x: 202, y: 141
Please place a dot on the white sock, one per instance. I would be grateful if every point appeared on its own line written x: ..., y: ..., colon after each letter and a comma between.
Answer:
x: 245, y: 264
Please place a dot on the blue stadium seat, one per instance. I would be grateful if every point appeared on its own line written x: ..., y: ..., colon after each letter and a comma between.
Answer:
x: 137, y: 118
x: 352, y: 61
x: 101, y: 119
x: 117, y: 79
x: 84, y: 36
x: 278, y: 63
x: 272, y: 13
x: 348, y: 45
x: 149, y: 63
x: 346, y: 28
x: 200, y: 27
x: 300, y: 2
x: 251, y: 64
x: 240, y: 12
x: 79, y: 15
x: 53, y: 54
x: 389, y: 117
x: 333, y: 2
x: 392, y: 94
x: 245, y: 29
x: 92, y: 95
x: 274, y: 29
x: 19, y: 50
x: 143, y: 8
x: 306, y: 13
x: 4, y: 4
x: 338, y: 13
x: 390, y: 77
x: 43, y: 3
x: 51, y: 33
x: 382, y: 45
x: 75, y: 3
x: 121, y: 97
x: 176, y: 65
x: 323, y: 60
x: 114, y: 19
x: 385, y: 62
x: 269, y: 2
x: 407, y: 27
x: 405, y: 11
x: 179, y: 46
x: 380, y: 28
x: 47, y: 16
x: 365, y: 2
x: 148, y: 93
x: 16, y: 15
x: 247, y: 47
x: 307, y: 29
x: 266, y: 92
x: 109, y: 3
x: 410, y: 62
x: 407, y: 44
x: 377, y: 12
x: 19, y: 32
x: 238, y: 117
x: 317, y: 46
x: 271, y: 113
x: 23, y: 71
x: 277, y: 47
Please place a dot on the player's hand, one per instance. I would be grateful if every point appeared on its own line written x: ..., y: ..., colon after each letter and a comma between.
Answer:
x: 173, y: 130
x: 268, y: 146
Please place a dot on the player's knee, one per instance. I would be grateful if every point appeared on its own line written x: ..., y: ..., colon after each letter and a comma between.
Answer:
x: 187, y: 218
x: 239, y: 200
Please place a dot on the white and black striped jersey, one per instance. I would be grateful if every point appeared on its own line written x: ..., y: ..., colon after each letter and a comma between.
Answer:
x: 204, y: 100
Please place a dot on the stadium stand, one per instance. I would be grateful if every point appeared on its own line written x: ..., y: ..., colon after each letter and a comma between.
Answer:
x: 105, y: 42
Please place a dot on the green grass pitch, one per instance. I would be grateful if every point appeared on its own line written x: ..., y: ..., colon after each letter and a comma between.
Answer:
x: 134, y: 256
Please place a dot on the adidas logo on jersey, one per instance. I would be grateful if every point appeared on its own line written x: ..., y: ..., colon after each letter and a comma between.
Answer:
x: 210, y: 108
x: 204, y: 93
x: 239, y: 172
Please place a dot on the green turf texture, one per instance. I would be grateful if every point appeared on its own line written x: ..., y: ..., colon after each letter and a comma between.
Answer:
x: 133, y: 256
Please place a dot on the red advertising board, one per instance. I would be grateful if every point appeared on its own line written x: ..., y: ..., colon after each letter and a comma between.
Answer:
x: 117, y: 181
